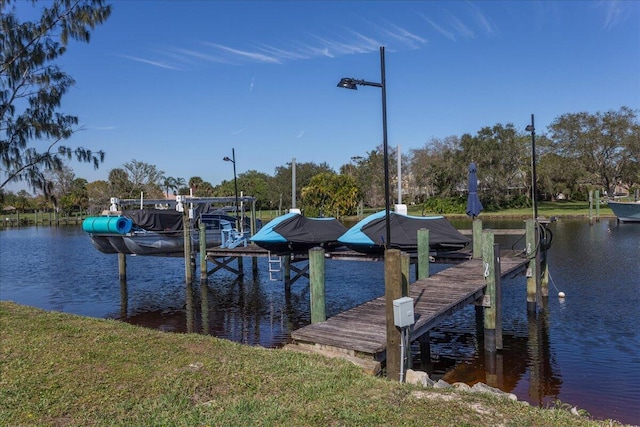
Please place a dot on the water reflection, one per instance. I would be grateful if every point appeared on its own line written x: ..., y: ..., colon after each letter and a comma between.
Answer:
x: 524, y: 358
x: 238, y: 309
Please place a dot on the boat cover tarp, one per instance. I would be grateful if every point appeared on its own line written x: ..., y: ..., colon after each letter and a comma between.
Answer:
x: 169, y: 221
x: 298, y: 229
x: 369, y: 234
x: 158, y: 220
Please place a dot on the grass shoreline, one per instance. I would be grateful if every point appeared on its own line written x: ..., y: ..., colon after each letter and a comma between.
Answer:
x: 60, y: 369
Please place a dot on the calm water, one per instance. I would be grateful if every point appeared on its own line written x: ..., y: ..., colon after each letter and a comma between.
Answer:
x: 584, y: 350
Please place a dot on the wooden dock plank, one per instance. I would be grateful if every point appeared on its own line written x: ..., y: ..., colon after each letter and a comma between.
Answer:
x: 362, y: 329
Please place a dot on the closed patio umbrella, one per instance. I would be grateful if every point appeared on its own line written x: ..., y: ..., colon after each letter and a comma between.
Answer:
x: 474, y: 207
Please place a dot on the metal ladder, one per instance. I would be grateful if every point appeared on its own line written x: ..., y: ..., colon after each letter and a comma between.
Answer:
x: 275, y: 267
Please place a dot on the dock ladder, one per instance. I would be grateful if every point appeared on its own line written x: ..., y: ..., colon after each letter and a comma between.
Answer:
x: 275, y: 267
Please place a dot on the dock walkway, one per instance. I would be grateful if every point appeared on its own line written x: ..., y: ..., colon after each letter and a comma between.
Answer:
x: 361, y: 331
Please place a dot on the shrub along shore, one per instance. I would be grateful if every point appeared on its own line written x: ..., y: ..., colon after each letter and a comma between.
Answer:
x: 65, y: 370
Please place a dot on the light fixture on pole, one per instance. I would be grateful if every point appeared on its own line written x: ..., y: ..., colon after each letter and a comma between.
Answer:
x: 534, y: 192
x: 350, y: 83
x: 235, y: 184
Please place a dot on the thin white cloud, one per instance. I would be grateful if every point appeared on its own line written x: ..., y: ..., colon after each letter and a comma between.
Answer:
x: 252, y: 56
x: 614, y: 14
x: 361, y: 44
x: 300, y: 134
x: 186, y: 54
x: 154, y: 63
x: 368, y: 44
x: 438, y: 28
x: 346, y: 42
x: 284, y: 55
x: 482, y: 20
x: 102, y: 128
x: 253, y: 81
x: 461, y: 28
x: 316, y: 51
x: 403, y: 36
x: 235, y: 132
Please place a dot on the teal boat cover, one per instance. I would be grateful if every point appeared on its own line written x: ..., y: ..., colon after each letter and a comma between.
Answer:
x: 369, y: 234
x: 293, y: 232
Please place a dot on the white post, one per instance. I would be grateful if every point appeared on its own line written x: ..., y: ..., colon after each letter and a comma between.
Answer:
x: 114, y: 204
x: 399, y: 176
x: 293, y: 183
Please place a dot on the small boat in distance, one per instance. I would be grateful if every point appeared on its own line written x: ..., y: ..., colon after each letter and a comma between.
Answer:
x: 294, y: 233
x: 368, y: 235
x: 626, y: 211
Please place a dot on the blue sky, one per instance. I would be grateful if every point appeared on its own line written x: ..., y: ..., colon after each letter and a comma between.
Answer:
x: 178, y: 84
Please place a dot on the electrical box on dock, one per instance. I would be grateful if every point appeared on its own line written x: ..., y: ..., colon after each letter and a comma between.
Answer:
x: 403, y: 312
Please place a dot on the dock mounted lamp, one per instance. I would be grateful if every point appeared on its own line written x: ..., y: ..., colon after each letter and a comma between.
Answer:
x: 235, y: 184
x: 350, y: 83
x: 534, y: 192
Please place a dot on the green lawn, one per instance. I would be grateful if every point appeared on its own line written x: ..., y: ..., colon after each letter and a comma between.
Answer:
x: 559, y: 209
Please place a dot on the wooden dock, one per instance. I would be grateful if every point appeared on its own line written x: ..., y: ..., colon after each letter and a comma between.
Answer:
x: 361, y: 331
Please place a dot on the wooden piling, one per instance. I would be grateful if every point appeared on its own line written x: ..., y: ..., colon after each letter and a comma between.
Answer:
x: 287, y: 271
x: 317, y: 285
x: 393, y: 291
x: 534, y: 351
x: 423, y: 253
x: 498, y: 288
x: 204, y: 305
x: 188, y: 271
x: 597, y: 205
x: 203, y: 251
x: 189, y: 307
x: 124, y: 293
x: 533, y: 270
x: 544, y: 280
x: 122, y: 267
x: 476, y: 227
x: 254, y: 225
x: 489, y: 303
x: 405, y: 260
x: 590, y: 207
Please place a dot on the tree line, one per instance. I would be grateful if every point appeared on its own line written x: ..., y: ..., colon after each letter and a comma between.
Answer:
x: 579, y: 152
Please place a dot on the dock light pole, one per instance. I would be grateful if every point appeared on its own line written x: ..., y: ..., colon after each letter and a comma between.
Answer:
x: 235, y: 183
x: 534, y: 192
x: 350, y: 83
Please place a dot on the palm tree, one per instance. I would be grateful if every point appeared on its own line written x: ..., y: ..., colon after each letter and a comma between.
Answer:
x: 180, y: 183
x: 169, y: 183
x: 194, y: 183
